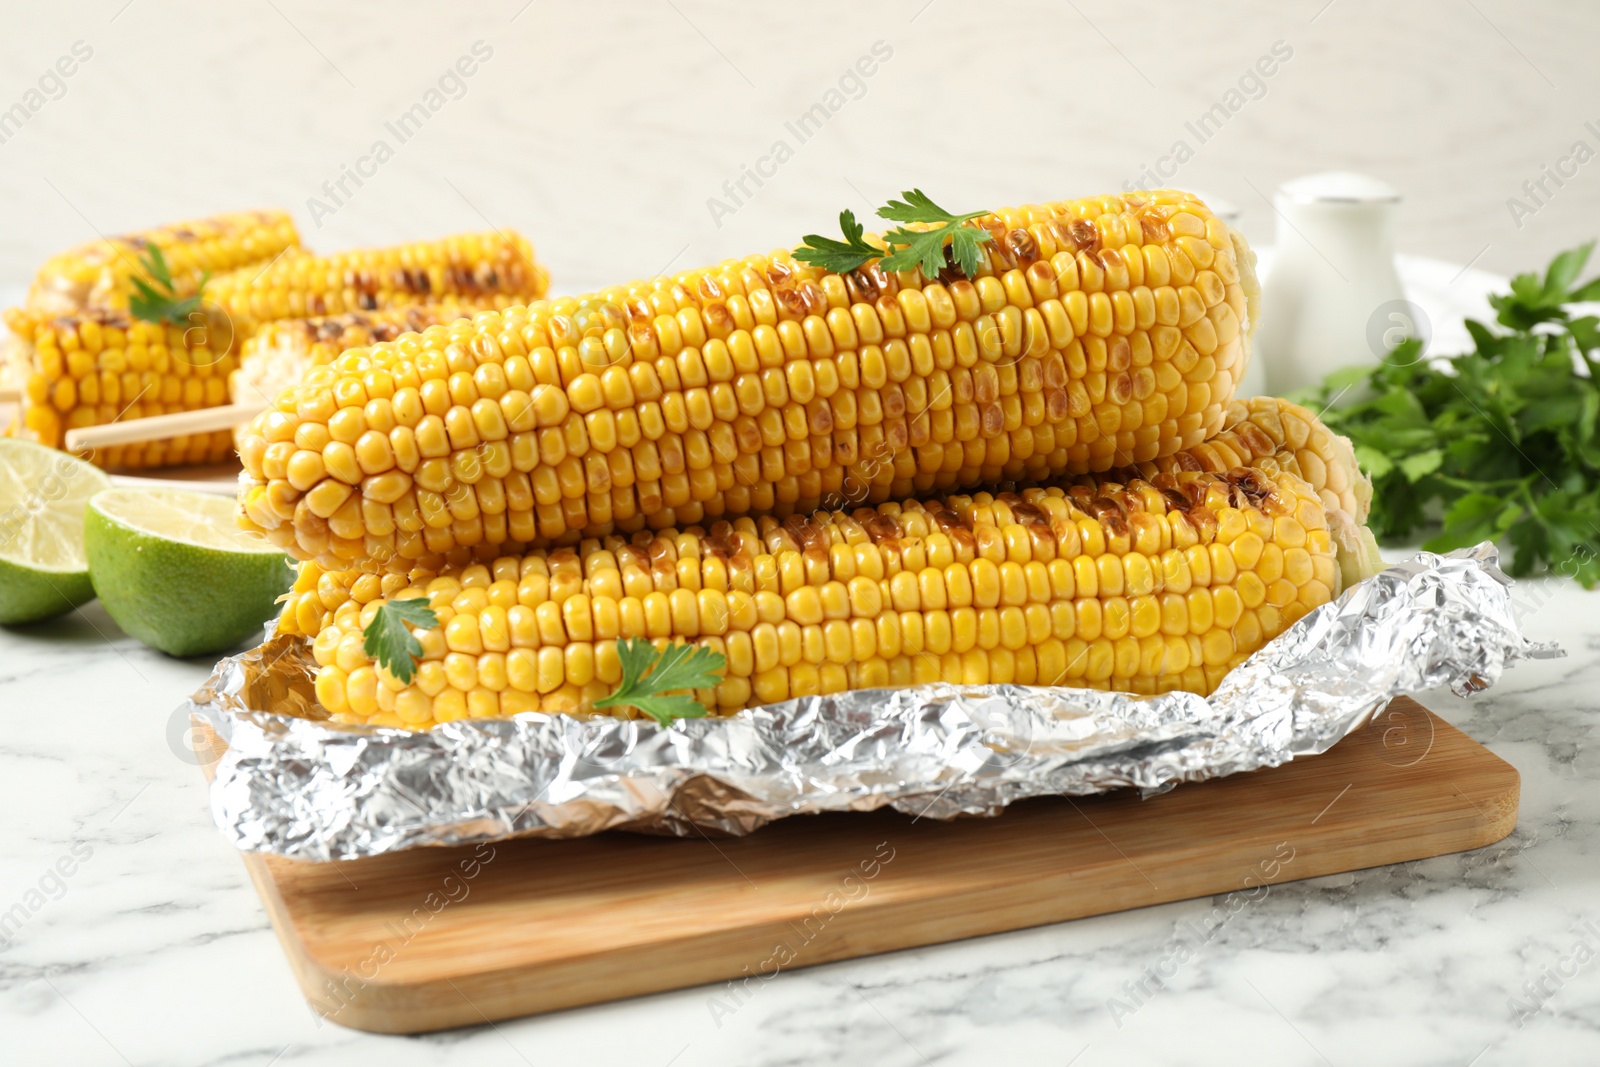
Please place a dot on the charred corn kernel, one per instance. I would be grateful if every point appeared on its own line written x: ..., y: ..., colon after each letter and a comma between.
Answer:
x: 99, y: 275
x: 1103, y: 611
x: 844, y: 390
x: 91, y: 386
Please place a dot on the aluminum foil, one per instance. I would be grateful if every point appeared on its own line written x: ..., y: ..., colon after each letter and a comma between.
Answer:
x: 297, y: 786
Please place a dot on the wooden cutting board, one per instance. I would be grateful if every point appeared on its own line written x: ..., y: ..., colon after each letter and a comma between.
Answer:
x: 436, y: 938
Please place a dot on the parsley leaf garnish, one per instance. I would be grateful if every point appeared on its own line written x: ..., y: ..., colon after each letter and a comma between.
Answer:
x: 390, y: 643
x: 677, y: 666
x: 840, y: 257
x: 905, y: 248
x: 925, y: 248
x: 1501, y: 443
x: 157, y: 299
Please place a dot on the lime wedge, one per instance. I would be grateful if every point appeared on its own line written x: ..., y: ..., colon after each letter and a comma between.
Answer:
x: 174, y: 569
x: 43, y: 571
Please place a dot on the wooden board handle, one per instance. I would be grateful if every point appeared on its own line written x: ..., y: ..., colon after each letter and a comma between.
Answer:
x: 154, y: 428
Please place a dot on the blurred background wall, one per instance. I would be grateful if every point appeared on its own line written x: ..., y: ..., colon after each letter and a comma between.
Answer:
x: 616, y: 134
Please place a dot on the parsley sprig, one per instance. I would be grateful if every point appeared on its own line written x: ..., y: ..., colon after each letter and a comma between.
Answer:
x: 925, y: 248
x: 1501, y: 443
x: 157, y: 299
x: 905, y: 248
x: 390, y: 642
x: 838, y: 256
x: 677, y: 666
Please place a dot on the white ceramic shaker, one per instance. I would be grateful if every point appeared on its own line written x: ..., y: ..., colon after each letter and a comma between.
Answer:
x: 1332, y: 298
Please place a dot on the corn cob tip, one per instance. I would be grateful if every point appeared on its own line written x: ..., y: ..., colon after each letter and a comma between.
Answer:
x: 1274, y: 434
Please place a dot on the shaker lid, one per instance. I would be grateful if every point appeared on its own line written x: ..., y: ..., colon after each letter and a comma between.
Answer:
x: 1338, y: 187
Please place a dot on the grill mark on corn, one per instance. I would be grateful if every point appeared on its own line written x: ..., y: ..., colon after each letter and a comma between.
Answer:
x: 1256, y: 439
x: 949, y: 521
x: 1023, y: 250
x: 791, y: 300
x: 1253, y: 489
x: 863, y: 286
x: 881, y: 528
x: 1028, y: 514
x: 1154, y: 227
x: 951, y: 271
x: 1109, y: 513
x: 1079, y: 235
x: 1176, y: 501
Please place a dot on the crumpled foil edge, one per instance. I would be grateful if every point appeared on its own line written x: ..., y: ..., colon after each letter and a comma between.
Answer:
x: 295, y: 786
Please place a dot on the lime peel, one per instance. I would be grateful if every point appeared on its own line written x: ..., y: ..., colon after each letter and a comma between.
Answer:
x: 44, y: 571
x: 174, y: 570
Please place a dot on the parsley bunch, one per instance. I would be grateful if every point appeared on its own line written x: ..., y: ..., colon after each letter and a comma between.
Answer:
x: 906, y: 248
x: 1500, y: 443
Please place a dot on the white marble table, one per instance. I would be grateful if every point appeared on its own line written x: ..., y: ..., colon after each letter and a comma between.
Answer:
x: 129, y: 933
x: 155, y: 950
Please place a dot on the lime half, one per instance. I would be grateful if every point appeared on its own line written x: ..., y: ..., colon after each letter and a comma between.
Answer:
x: 174, y: 569
x: 43, y: 571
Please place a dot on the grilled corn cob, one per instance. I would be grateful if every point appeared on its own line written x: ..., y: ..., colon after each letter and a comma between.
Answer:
x: 280, y: 353
x: 97, y: 274
x: 1098, y: 332
x: 483, y: 268
x: 1145, y: 587
x: 98, y: 366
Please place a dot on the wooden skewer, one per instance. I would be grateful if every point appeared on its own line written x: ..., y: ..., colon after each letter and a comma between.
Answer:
x: 205, y: 420
x: 10, y: 396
